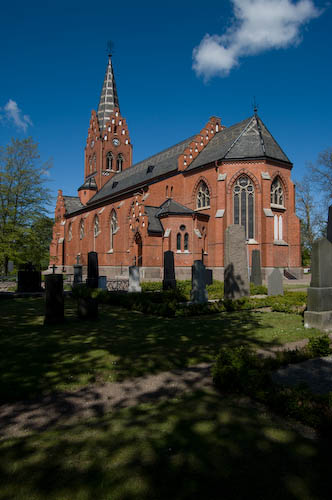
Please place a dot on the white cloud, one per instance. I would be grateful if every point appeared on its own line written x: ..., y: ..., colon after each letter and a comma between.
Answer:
x: 258, y: 25
x: 14, y: 114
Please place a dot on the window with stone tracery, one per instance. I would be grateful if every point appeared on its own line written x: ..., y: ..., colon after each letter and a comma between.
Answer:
x: 119, y: 162
x: 96, y: 226
x: 113, y: 228
x: 203, y: 196
x: 186, y: 242
x: 277, y: 193
x: 81, y: 229
x: 244, y: 205
x: 109, y: 161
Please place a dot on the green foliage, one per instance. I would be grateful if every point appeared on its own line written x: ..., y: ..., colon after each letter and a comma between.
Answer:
x: 23, y: 202
x: 319, y: 346
x: 257, y: 289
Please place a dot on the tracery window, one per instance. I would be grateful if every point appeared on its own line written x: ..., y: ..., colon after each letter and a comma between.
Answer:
x: 96, y: 227
x: 277, y: 193
x: 178, y: 242
x: 114, y: 227
x: 203, y: 196
x: 70, y: 231
x: 119, y: 162
x: 186, y: 242
x: 81, y: 229
x: 109, y: 161
x: 244, y: 204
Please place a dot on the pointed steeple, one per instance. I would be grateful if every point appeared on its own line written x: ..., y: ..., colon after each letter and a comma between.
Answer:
x: 109, y: 101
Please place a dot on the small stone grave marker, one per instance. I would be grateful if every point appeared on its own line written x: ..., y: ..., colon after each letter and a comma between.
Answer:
x: 134, y: 279
x: 198, y: 283
x: 274, y: 283
x: 256, y: 271
x: 169, y: 280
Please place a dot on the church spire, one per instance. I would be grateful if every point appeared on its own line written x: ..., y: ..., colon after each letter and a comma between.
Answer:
x: 109, y: 101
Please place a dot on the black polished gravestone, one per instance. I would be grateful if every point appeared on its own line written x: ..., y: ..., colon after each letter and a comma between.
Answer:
x: 208, y: 277
x: 93, y: 274
x: 169, y: 280
x: 329, y: 225
x: 28, y: 279
x: 256, y: 270
x: 54, y: 303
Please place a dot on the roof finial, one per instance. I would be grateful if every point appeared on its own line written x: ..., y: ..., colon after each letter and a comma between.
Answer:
x: 110, y: 47
x: 255, y: 106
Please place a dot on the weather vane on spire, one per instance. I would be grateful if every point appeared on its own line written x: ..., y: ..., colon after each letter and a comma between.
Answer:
x: 255, y: 105
x: 110, y: 48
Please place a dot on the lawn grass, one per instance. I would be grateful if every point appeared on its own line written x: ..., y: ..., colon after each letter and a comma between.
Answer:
x: 35, y: 359
x: 199, y: 446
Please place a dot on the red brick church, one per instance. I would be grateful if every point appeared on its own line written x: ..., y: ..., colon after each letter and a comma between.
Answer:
x: 181, y: 199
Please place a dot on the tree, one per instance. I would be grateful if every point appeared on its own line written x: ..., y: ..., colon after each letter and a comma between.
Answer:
x: 24, y: 198
x: 309, y: 216
x: 322, y: 175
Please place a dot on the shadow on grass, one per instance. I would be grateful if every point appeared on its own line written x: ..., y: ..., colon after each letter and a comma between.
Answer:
x: 198, y: 446
x: 36, y: 360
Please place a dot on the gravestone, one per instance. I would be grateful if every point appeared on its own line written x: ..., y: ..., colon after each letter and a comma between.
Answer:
x: 28, y: 279
x: 134, y: 281
x: 256, y: 271
x: 169, y: 280
x: 93, y: 274
x: 77, y: 274
x: 54, y: 303
x: 319, y: 302
x: 274, y: 283
x: 10, y: 266
x: 208, y: 277
x: 329, y: 225
x: 198, y: 283
x: 236, y: 283
x: 102, y: 282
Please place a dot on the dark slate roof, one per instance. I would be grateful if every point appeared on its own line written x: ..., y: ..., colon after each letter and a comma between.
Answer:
x: 171, y: 207
x: 72, y: 204
x: 246, y: 139
x: 141, y: 172
x: 154, y: 226
x: 90, y: 183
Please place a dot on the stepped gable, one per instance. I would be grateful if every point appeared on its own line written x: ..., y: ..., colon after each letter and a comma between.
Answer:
x: 72, y: 204
x: 142, y: 172
x: 247, y: 139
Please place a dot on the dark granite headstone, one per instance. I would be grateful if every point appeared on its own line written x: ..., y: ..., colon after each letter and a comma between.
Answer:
x: 319, y: 302
x: 274, y: 283
x: 77, y: 274
x: 169, y: 280
x: 236, y: 282
x: 198, y: 283
x: 256, y: 271
x: 28, y: 279
x: 93, y: 273
x: 208, y: 277
x: 329, y: 225
x: 54, y: 303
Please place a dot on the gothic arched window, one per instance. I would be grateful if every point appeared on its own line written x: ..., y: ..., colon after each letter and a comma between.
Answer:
x: 277, y: 193
x: 96, y: 227
x: 94, y: 162
x: 90, y: 165
x: 243, y: 199
x: 113, y: 228
x: 119, y: 162
x: 178, y: 242
x: 70, y: 231
x: 186, y: 242
x: 109, y: 161
x: 81, y: 229
x: 203, y: 196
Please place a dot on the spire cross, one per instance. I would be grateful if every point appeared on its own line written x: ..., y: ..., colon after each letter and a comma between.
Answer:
x: 255, y: 106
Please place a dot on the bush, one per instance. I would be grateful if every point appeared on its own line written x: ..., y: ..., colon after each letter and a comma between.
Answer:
x: 319, y: 346
x: 257, y: 289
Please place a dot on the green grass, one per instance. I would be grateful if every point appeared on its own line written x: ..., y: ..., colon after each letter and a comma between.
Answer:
x: 199, y: 446
x: 35, y: 359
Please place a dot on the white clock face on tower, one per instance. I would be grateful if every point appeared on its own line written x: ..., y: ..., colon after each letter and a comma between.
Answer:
x: 116, y: 142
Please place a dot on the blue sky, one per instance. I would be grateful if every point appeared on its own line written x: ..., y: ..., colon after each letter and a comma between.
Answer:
x: 53, y: 58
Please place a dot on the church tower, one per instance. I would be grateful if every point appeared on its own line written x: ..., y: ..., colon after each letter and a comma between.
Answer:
x: 108, y: 149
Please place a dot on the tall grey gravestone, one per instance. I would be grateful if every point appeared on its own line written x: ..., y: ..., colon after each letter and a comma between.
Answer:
x: 77, y: 274
x: 256, y: 270
x: 329, y: 225
x: 54, y: 303
x: 198, y: 283
x: 236, y: 282
x: 134, y: 281
x: 319, y: 302
x: 274, y: 283
x: 93, y: 273
x: 169, y: 280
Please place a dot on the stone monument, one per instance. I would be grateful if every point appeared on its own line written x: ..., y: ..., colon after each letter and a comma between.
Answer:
x: 256, y: 271
x: 198, y: 283
x: 77, y: 274
x: 93, y: 274
x: 28, y: 279
x: 134, y: 281
x: 54, y: 303
x: 236, y: 282
x: 274, y: 283
x: 319, y: 303
x: 169, y: 280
